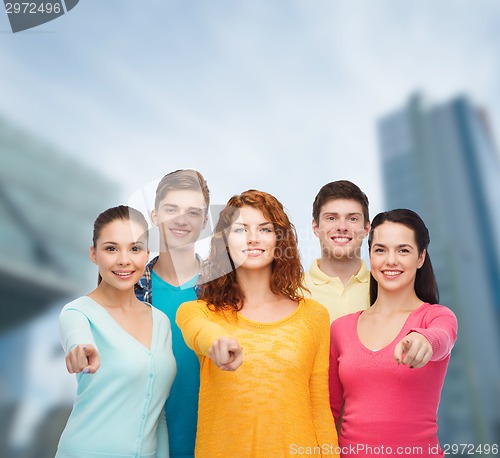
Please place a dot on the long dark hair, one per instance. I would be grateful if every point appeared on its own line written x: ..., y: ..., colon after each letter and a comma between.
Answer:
x: 425, y: 281
x: 218, y: 285
x: 121, y: 212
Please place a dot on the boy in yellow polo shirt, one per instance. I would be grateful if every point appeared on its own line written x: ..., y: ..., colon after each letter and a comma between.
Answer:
x: 340, y: 279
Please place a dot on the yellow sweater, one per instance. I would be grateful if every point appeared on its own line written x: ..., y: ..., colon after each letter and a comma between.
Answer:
x: 276, y: 404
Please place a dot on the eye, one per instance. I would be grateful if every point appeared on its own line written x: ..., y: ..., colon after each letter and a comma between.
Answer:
x: 136, y: 248
x: 194, y: 214
x: 404, y: 250
x: 110, y: 248
x: 378, y: 250
x: 239, y: 230
x: 353, y: 219
x: 266, y: 229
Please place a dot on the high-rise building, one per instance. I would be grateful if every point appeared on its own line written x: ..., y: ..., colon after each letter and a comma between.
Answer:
x: 440, y: 161
x: 48, y: 202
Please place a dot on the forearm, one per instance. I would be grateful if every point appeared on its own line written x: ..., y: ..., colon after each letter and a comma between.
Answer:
x: 198, y: 330
x: 441, y: 332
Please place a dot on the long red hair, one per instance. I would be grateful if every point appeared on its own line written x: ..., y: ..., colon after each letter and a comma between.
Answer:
x: 218, y: 285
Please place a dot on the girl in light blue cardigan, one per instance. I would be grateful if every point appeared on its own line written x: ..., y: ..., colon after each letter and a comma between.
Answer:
x: 121, y: 350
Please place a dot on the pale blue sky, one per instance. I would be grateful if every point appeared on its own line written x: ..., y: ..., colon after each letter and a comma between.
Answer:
x: 281, y: 96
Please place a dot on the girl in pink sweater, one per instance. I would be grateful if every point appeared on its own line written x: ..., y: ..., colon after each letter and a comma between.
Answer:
x: 388, y: 363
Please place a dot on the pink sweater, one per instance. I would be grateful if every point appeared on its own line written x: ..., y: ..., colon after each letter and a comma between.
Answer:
x: 389, y: 409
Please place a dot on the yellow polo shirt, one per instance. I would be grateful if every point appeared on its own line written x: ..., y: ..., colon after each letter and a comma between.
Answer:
x: 340, y: 300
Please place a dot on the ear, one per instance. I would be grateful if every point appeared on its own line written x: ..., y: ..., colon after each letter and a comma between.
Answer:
x: 367, y: 228
x: 421, y: 259
x: 154, y: 217
x: 92, y: 255
x: 315, y: 228
x: 205, y: 220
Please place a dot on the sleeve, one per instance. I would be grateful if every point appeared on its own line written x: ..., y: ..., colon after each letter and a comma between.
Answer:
x: 198, y: 330
x: 162, y: 436
x: 324, y: 424
x: 335, y: 385
x: 74, y: 329
x: 440, y: 330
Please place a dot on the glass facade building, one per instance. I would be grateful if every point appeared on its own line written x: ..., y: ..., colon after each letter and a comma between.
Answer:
x: 48, y: 203
x: 440, y: 160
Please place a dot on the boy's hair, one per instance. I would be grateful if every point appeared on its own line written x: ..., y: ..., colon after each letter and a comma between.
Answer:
x: 182, y: 179
x: 341, y: 189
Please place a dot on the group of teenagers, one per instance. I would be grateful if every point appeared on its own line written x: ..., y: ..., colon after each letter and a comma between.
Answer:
x: 243, y: 354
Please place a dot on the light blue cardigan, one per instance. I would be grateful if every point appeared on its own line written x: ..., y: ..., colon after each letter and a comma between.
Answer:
x: 119, y: 410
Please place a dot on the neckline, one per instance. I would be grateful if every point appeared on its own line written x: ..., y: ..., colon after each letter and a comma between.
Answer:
x: 122, y: 329
x: 267, y: 324
x: 390, y: 344
x: 321, y: 278
x: 188, y: 284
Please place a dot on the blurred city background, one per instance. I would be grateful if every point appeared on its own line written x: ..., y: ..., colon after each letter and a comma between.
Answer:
x: 97, y: 105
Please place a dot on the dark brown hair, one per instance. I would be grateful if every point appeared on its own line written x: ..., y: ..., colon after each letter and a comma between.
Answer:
x: 122, y: 213
x: 341, y: 189
x: 218, y: 283
x: 425, y: 281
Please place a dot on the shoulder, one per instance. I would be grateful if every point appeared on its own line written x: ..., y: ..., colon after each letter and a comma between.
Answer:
x: 315, y: 275
x: 344, y: 322
x: 82, y: 304
x: 434, y: 315
x: 431, y: 311
x: 198, y: 306
x: 363, y: 274
x: 315, y: 311
x: 158, y: 314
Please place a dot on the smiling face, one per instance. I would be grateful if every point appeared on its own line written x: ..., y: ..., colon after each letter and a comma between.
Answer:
x: 180, y: 217
x: 252, y: 240
x: 341, y: 228
x: 394, y: 257
x: 121, y: 253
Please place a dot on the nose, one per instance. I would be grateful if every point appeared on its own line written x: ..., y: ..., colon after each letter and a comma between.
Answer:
x: 341, y: 225
x: 252, y: 236
x: 392, y: 258
x: 181, y: 219
x: 123, y: 257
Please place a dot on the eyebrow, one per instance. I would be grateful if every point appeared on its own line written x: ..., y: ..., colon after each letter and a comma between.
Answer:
x: 176, y: 206
x: 138, y: 242
x: 402, y: 245
x: 348, y: 214
x: 261, y: 224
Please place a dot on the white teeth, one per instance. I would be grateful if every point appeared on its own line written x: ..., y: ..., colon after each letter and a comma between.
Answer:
x: 122, y: 274
x: 341, y: 239
x: 178, y: 231
x: 253, y: 251
x: 391, y: 273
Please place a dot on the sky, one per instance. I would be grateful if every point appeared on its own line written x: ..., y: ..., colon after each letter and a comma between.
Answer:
x: 281, y: 96
x: 273, y: 95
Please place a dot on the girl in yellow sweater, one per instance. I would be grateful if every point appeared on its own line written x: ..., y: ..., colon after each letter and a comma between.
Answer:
x: 263, y: 348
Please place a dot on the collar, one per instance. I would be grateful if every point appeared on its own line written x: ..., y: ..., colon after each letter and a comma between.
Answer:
x: 320, y: 278
x: 145, y: 280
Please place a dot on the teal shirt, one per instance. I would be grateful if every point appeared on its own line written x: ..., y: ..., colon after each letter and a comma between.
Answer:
x: 182, y: 404
x: 118, y: 412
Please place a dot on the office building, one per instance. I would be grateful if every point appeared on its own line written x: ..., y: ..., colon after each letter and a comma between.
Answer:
x: 440, y: 160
